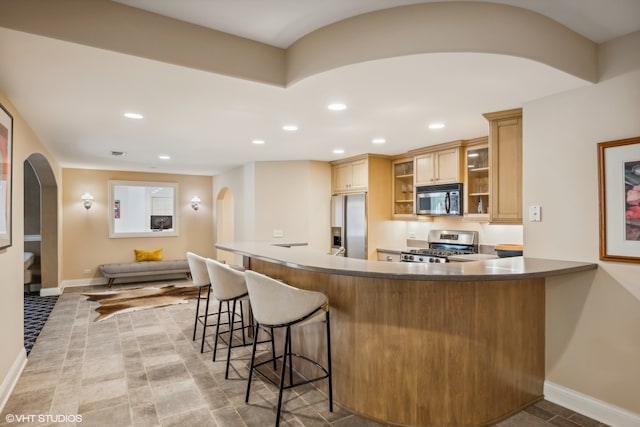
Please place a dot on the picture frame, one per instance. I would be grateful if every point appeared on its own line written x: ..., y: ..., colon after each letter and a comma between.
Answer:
x: 619, y: 200
x: 6, y: 176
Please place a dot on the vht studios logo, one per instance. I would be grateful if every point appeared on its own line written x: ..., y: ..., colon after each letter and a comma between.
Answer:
x: 42, y: 418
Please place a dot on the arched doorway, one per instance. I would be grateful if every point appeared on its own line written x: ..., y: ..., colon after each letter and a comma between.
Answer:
x: 41, y: 221
x: 225, y: 227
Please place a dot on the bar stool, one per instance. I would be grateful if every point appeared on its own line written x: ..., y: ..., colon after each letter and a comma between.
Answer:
x: 277, y: 305
x: 200, y: 277
x: 228, y: 286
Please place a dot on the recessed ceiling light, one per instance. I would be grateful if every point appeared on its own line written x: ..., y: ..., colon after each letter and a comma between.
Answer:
x: 290, y: 128
x: 433, y: 126
x: 164, y: 157
x: 378, y: 140
x: 338, y: 151
x: 337, y: 106
x: 133, y: 116
x: 258, y: 141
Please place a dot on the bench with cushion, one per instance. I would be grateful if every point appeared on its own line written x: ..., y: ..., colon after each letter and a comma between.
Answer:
x: 144, y: 268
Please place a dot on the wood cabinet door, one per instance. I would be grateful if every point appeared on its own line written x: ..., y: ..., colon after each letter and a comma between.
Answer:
x: 447, y: 166
x: 341, y: 177
x: 350, y: 177
x: 424, y: 169
x: 505, y: 138
x: 359, y: 175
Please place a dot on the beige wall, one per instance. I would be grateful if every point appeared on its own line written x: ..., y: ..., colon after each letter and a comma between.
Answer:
x: 292, y: 196
x: 12, y: 355
x: 85, y: 233
x: 593, y: 319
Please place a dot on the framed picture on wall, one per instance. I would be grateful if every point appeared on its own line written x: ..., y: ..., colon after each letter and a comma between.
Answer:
x: 6, y: 165
x: 619, y: 197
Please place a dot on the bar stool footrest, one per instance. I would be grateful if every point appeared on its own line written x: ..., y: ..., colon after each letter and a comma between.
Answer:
x: 299, y: 356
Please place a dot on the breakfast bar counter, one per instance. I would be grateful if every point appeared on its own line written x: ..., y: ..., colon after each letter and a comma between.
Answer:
x: 452, y: 344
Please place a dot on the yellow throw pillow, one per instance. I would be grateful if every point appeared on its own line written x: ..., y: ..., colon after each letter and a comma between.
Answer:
x: 154, y: 255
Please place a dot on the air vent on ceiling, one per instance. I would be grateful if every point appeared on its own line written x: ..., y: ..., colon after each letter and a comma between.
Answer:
x: 117, y: 153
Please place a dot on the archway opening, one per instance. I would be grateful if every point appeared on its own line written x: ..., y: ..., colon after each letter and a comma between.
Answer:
x: 41, y: 220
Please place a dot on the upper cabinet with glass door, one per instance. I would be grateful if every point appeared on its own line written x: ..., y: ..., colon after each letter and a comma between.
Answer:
x: 403, y: 194
x: 477, y: 198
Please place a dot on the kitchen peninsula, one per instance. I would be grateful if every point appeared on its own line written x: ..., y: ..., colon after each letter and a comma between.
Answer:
x: 455, y: 344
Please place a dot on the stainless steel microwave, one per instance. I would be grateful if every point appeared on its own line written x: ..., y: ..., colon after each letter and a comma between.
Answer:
x: 445, y: 199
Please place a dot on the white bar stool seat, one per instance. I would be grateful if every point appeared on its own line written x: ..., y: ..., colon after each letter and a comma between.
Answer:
x: 277, y: 305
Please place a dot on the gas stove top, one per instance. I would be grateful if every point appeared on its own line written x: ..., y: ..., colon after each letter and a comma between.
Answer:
x: 443, y: 243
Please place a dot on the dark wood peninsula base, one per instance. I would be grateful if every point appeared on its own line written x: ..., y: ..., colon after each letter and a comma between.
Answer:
x: 427, y: 353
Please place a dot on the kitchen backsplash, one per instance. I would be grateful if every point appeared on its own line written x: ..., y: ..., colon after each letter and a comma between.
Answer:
x: 396, y: 233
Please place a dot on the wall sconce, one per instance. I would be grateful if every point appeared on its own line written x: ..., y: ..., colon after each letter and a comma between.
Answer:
x: 87, y: 198
x: 195, y: 203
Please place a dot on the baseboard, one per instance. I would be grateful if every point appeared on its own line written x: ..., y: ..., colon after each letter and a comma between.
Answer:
x: 83, y: 282
x: 10, y: 381
x: 120, y: 281
x: 590, y: 406
x: 47, y: 292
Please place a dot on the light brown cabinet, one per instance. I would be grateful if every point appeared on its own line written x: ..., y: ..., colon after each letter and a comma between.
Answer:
x: 403, y: 194
x: 370, y: 174
x: 388, y: 256
x: 476, y: 184
x: 505, y: 148
x: 350, y: 177
x: 438, y: 167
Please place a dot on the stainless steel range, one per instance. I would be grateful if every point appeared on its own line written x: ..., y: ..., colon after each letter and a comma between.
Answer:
x: 443, y: 243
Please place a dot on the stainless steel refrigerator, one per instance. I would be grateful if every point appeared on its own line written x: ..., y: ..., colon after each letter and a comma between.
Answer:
x: 349, y: 225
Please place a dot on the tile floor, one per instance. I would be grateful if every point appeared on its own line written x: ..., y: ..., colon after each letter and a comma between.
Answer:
x: 142, y: 369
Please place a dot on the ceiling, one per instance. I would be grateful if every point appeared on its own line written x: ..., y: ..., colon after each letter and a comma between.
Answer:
x: 73, y: 96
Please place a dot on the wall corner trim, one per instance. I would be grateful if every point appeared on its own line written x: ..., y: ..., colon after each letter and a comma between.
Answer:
x: 590, y: 406
x: 10, y: 381
x: 50, y: 292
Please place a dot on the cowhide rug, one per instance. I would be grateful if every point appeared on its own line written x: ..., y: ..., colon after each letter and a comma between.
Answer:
x: 133, y: 299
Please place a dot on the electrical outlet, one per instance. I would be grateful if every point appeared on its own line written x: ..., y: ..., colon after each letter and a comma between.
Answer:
x: 278, y: 233
x: 412, y: 235
x: 87, y: 271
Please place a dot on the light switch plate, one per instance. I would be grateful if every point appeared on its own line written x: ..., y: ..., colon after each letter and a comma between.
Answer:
x: 278, y: 233
x: 535, y: 213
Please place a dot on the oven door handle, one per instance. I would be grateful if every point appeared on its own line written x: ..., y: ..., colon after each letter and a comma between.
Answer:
x: 447, y: 202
